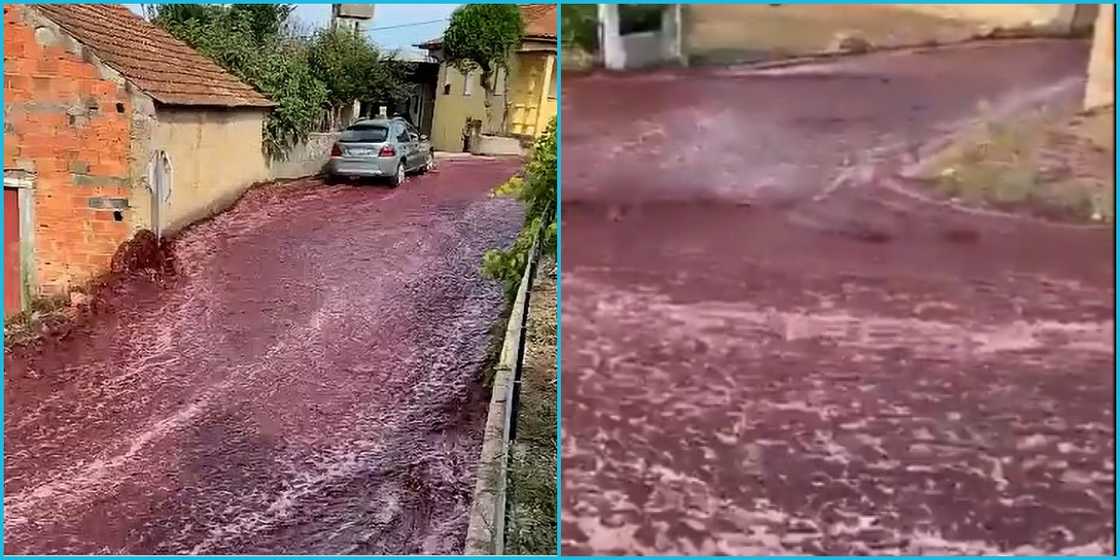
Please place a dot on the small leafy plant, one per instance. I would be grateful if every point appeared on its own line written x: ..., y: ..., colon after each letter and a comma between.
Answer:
x: 536, y: 188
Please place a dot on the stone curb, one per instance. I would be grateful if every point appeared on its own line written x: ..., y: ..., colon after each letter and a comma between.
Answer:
x: 487, y: 515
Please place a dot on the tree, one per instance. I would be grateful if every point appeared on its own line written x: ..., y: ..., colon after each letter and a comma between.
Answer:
x: 352, y: 69
x: 248, y: 43
x: 166, y: 15
x: 483, y: 37
x: 580, y: 23
x: 265, y: 21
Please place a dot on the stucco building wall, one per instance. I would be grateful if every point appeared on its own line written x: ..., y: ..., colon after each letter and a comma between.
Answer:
x: 215, y: 154
x: 529, y: 94
x: 1100, y: 90
x: 454, y: 106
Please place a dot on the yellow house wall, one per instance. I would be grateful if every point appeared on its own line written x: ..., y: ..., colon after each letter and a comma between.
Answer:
x: 549, y: 111
x: 743, y: 32
x: 215, y: 156
x: 528, y: 114
x: 452, y: 109
x: 532, y: 93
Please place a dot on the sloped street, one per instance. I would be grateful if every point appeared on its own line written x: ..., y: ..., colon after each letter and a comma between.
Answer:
x: 771, y: 347
x: 307, y: 382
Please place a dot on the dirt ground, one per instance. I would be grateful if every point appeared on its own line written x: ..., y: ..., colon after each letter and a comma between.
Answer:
x: 769, y: 349
x: 308, y: 382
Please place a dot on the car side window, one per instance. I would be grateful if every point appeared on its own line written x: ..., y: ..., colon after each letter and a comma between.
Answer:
x: 401, y: 133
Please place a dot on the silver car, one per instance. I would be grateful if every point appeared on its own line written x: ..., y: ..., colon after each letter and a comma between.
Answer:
x: 380, y: 148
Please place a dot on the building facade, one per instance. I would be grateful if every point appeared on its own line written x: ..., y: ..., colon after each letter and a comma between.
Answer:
x: 112, y: 126
x: 737, y: 33
x: 1101, y: 88
x: 352, y: 17
x: 525, y: 96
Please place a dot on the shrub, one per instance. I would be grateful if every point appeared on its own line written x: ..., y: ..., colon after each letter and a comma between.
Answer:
x: 536, y: 188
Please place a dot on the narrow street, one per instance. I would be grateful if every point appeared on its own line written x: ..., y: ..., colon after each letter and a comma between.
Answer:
x: 309, y: 382
x: 771, y: 349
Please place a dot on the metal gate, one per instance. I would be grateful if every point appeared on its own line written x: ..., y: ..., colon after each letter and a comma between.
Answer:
x: 13, y: 283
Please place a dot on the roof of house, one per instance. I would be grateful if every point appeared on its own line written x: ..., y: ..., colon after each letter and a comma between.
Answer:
x: 159, y: 64
x: 539, y: 21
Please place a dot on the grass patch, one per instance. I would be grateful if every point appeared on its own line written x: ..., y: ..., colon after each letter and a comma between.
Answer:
x: 532, y: 476
x: 1043, y: 164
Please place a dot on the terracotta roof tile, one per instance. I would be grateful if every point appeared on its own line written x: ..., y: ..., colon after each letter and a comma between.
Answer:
x: 149, y: 57
x: 539, y: 20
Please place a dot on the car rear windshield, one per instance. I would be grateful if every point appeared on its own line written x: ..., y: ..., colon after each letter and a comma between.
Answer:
x: 365, y: 134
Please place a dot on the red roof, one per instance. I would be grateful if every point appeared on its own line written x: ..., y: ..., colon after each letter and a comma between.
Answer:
x: 160, y: 65
x: 539, y: 20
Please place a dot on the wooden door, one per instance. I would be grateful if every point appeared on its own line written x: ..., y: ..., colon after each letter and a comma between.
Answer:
x: 13, y: 285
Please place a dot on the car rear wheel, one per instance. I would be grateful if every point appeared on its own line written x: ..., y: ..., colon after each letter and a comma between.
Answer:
x: 397, y: 177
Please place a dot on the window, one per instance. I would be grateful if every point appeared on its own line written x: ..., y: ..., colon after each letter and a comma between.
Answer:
x: 467, y: 83
x: 446, y: 80
x: 365, y: 133
x: 402, y: 134
x: 639, y: 18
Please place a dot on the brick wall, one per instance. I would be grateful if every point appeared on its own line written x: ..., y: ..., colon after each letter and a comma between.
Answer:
x: 67, y: 119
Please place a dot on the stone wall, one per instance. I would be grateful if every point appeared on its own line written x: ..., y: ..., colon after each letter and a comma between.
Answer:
x: 305, y: 159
